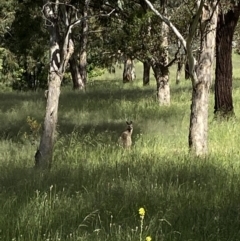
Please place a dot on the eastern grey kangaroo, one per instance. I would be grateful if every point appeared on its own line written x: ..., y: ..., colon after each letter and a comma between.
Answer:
x: 125, y: 140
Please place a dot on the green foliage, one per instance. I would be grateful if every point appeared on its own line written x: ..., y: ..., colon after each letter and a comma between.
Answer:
x: 95, y: 189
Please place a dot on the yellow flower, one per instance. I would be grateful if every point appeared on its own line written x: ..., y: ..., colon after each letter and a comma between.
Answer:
x: 148, y: 238
x: 141, y: 211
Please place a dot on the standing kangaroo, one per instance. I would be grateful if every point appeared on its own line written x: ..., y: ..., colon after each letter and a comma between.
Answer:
x: 125, y: 140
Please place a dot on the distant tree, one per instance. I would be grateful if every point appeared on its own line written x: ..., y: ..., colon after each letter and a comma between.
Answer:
x: 78, y: 61
x: 200, y: 69
x: 227, y: 22
x: 26, y: 42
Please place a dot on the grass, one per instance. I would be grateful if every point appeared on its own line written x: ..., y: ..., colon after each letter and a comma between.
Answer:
x: 95, y: 189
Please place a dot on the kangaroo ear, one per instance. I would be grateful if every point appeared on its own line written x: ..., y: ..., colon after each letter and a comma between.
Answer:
x: 127, y: 123
x: 130, y: 122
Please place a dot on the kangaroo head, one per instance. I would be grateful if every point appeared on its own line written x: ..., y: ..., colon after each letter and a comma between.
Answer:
x: 129, y: 126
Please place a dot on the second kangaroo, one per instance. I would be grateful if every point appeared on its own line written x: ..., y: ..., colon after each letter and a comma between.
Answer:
x: 125, y: 139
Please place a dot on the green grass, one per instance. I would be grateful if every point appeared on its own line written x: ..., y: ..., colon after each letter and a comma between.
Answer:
x: 95, y: 189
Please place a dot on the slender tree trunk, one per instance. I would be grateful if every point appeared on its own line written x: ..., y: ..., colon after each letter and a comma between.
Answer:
x: 58, y: 63
x: 83, y: 44
x: 223, y: 73
x: 43, y: 156
x: 161, y: 74
x: 180, y: 63
x: 146, y: 72
x: 201, y: 82
x: 77, y: 80
x: 128, y: 71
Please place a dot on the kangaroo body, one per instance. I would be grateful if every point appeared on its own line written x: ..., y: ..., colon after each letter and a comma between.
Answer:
x: 125, y: 140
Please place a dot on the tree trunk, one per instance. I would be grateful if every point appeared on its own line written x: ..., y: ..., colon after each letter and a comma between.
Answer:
x: 58, y: 63
x: 161, y: 74
x: 83, y: 45
x: 201, y: 82
x: 43, y: 156
x: 146, y: 72
x: 77, y: 80
x: 223, y: 73
x: 161, y: 71
x: 180, y: 63
x: 128, y: 71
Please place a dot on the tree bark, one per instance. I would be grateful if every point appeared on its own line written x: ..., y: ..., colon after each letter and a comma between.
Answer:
x: 200, y: 72
x: 43, y: 156
x: 146, y: 72
x: 83, y: 45
x: 77, y: 80
x: 161, y: 73
x: 128, y: 71
x: 160, y: 68
x: 223, y: 73
x: 180, y: 64
x: 59, y: 57
x: 202, y: 80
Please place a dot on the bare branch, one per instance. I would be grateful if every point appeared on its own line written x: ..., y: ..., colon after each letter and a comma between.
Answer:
x: 169, y: 23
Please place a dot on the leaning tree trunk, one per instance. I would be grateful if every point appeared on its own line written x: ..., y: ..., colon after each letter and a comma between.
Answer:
x: 128, y: 71
x: 223, y: 73
x: 77, y: 80
x: 146, y: 72
x: 201, y: 82
x: 161, y: 74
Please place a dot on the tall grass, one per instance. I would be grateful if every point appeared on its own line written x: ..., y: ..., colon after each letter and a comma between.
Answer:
x: 95, y: 189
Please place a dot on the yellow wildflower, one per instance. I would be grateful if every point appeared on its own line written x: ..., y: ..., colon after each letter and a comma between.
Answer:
x: 141, y: 211
x: 148, y: 238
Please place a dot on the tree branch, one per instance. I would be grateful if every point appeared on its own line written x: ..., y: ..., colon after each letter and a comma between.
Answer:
x: 169, y: 23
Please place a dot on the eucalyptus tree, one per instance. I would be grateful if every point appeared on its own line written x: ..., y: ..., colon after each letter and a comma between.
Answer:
x: 227, y: 20
x: 60, y: 18
x: 200, y: 69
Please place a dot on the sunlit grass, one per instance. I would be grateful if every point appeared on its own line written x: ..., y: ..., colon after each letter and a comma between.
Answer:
x: 95, y: 188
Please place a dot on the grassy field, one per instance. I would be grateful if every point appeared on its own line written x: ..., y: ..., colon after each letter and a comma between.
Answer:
x: 95, y: 189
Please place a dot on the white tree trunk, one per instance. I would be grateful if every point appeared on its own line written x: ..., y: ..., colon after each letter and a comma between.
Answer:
x: 201, y: 82
x: 58, y: 63
x: 163, y: 89
x: 201, y: 72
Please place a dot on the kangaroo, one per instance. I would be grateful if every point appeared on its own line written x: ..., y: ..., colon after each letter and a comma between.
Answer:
x: 125, y: 140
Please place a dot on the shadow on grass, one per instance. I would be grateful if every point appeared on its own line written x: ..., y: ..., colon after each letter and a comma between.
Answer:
x: 198, y: 200
x: 14, y: 100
